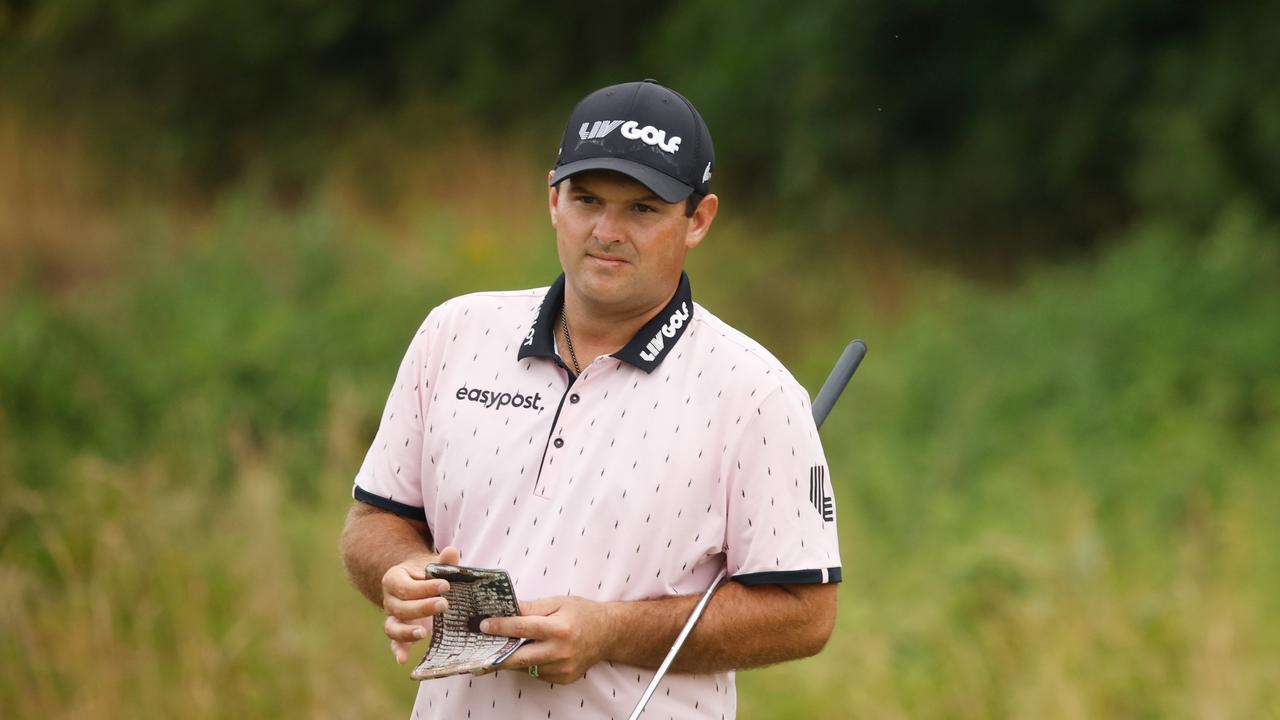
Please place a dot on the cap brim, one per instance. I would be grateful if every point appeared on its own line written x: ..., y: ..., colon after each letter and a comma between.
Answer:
x: 663, y: 185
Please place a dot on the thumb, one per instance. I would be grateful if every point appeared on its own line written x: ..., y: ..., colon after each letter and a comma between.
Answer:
x: 449, y: 556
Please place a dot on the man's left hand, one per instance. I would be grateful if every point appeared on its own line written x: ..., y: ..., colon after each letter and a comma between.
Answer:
x: 570, y: 635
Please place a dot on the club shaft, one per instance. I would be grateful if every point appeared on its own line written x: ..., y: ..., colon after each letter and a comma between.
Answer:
x: 840, y: 375
x: 675, y: 648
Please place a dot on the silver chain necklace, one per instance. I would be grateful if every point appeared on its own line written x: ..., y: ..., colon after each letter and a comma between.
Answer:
x: 564, y: 324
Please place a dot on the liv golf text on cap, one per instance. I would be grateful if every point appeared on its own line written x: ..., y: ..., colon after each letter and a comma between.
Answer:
x: 643, y: 130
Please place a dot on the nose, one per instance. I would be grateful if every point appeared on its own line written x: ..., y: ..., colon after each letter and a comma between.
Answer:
x: 610, y: 226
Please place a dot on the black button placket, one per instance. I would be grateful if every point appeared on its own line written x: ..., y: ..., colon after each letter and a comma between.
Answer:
x: 541, y: 343
x: 539, y: 487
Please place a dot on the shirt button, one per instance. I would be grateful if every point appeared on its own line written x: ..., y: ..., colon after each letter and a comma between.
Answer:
x: 559, y: 443
x: 574, y: 398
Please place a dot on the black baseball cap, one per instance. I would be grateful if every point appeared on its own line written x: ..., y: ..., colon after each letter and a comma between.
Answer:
x: 643, y: 130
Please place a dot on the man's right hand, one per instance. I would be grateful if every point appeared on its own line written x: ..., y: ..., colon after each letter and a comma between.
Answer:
x: 410, y: 599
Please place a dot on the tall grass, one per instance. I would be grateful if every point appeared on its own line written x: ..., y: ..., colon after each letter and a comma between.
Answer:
x: 1055, y: 499
x: 1058, y: 501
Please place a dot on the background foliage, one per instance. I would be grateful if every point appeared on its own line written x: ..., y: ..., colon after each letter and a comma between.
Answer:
x: 978, y: 127
x: 221, y: 222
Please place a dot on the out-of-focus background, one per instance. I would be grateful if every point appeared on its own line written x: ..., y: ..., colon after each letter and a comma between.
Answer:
x: 1057, y: 224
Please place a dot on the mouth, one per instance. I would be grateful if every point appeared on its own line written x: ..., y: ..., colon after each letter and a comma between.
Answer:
x: 606, y: 259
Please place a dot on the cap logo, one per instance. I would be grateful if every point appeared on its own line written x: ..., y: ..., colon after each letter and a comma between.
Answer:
x: 650, y: 135
x: 631, y: 130
x: 598, y: 130
x: 706, y: 174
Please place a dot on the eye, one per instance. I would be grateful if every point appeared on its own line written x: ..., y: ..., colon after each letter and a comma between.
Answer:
x: 642, y: 208
x: 586, y: 199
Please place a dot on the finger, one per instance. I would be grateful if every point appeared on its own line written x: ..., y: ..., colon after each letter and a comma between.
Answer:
x: 541, y: 606
x: 449, y: 556
x: 558, y: 678
x: 534, y: 627
x: 405, y: 632
x: 403, y: 586
x: 409, y: 589
x: 523, y: 658
x: 414, y: 609
x: 400, y: 651
x: 550, y: 670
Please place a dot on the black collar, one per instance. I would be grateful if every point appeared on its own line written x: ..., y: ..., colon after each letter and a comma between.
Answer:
x: 646, y: 350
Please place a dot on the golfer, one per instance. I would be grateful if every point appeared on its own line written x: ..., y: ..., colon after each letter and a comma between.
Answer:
x: 612, y: 445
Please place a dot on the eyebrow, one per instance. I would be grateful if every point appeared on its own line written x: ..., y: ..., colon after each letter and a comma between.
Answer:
x: 649, y: 197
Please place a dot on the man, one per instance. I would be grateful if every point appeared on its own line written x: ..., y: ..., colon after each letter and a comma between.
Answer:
x: 609, y: 443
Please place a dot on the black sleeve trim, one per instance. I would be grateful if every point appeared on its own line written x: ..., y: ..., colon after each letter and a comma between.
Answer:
x: 790, y: 577
x: 391, y: 506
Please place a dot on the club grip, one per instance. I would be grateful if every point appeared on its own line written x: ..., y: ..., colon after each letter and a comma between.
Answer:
x: 839, y: 377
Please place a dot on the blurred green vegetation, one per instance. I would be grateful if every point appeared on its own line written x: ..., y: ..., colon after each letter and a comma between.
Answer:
x: 1055, y: 499
x: 987, y: 128
x: 220, y: 223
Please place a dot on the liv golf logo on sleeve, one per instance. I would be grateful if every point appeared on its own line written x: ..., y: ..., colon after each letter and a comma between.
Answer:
x: 818, y: 493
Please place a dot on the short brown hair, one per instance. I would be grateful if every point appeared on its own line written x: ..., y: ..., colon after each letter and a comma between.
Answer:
x: 691, y: 203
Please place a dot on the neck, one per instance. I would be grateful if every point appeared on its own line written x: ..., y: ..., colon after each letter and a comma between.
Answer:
x: 598, y: 331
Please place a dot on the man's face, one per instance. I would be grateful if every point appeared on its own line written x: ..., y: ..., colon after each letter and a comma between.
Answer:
x: 621, y: 246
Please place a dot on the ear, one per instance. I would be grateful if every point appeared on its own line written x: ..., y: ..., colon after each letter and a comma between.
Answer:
x: 553, y: 196
x: 700, y: 223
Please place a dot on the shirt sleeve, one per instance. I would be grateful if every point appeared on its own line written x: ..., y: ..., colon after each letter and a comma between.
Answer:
x: 781, y: 509
x: 390, y: 477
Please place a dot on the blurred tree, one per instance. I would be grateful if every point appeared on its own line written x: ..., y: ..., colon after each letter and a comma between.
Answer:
x: 235, y: 78
x: 995, y: 123
x: 980, y: 127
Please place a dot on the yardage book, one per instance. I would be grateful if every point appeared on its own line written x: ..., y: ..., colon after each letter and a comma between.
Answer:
x: 457, y: 645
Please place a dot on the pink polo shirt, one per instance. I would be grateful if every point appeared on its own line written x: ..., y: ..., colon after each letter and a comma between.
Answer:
x: 689, y: 450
